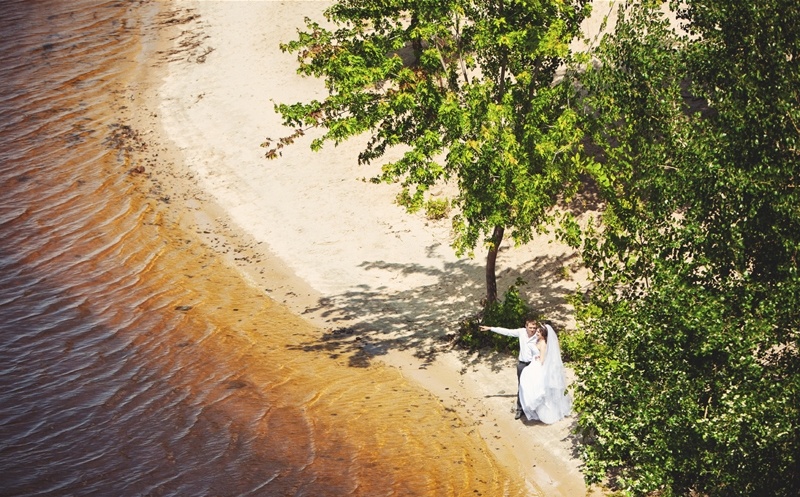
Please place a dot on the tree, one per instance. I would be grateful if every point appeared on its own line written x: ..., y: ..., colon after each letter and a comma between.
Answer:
x: 689, y: 379
x: 466, y: 89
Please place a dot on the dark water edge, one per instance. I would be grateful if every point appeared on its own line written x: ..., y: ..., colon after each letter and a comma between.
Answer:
x: 134, y: 362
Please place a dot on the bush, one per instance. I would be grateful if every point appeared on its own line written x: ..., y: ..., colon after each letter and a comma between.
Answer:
x: 437, y: 209
x: 509, y: 312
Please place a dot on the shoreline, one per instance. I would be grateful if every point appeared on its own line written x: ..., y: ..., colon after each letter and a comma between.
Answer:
x: 334, y: 250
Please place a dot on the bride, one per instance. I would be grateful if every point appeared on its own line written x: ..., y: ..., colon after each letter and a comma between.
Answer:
x: 542, y: 383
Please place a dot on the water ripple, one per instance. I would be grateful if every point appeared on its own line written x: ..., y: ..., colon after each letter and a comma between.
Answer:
x: 131, y: 363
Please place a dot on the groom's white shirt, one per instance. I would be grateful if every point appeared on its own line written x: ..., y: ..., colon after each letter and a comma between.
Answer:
x: 527, y: 345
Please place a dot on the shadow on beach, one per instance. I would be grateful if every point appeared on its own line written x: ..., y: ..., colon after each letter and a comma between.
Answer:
x: 424, y: 319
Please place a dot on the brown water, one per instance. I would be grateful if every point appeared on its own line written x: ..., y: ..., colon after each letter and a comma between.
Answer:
x: 133, y: 361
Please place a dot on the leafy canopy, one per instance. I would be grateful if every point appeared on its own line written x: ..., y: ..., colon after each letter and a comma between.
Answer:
x: 690, y: 379
x: 465, y: 89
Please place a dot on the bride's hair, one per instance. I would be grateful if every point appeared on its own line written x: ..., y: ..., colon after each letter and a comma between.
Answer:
x: 543, y: 331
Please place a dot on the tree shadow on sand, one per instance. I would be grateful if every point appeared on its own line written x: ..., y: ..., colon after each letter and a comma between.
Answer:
x: 425, y: 318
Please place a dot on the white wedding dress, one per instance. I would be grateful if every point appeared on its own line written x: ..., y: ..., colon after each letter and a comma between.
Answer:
x: 542, y: 391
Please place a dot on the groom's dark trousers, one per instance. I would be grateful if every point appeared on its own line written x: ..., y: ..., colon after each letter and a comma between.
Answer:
x: 520, y: 366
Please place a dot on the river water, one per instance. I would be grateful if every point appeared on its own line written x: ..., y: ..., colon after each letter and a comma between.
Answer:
x: 124, y: 368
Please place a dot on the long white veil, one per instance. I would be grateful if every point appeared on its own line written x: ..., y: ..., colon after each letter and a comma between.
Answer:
x: 557, y: 404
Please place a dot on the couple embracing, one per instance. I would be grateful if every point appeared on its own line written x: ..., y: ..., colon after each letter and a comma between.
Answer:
x: 540, y: 372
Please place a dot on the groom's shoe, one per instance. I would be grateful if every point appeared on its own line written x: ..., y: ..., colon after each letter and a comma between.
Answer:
x: 518, y: 415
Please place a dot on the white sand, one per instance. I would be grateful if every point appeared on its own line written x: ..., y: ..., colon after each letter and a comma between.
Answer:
x: 337, y: 249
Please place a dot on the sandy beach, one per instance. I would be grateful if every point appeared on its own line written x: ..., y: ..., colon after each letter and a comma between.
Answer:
x: 309, y: 231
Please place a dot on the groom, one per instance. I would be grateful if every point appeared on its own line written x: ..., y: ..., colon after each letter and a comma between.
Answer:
x: 527, y: 344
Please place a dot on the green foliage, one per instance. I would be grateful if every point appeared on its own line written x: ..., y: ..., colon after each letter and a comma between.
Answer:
x: 466, y: 89
x: 508, y: 312
x: 437, y: 208
x: 688, y: 366
x: 411, y: 203
x: 573, y: 345
x: 470, y: 337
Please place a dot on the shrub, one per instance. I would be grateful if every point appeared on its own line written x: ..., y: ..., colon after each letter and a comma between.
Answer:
x: 437, y: 208
x: 509, y: 312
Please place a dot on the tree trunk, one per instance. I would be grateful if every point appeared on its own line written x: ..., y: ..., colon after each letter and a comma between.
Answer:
x: 491, y: 260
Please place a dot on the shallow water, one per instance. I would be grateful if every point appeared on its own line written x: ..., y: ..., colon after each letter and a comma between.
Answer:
x: 135, y: 362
